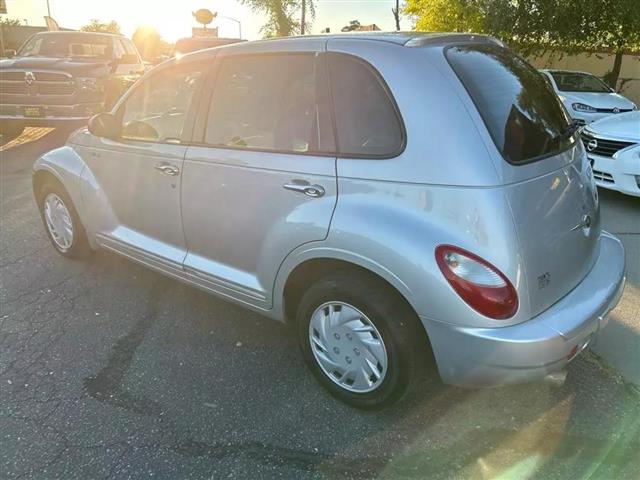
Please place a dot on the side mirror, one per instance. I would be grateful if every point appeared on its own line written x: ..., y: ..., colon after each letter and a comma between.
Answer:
x: 104, y: 125
x: 127, y: 59
x: 10, y: 53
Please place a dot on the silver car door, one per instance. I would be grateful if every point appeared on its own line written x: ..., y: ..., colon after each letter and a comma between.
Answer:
x: 137, y: 176
x: 263, y: 180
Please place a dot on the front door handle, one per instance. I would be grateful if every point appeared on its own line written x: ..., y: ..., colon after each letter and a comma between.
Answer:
x: 305, y: 187
x: 167, y: 169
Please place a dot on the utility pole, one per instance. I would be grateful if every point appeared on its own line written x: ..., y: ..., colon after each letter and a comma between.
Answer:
x: 302, y: 20
x: 396, y: 14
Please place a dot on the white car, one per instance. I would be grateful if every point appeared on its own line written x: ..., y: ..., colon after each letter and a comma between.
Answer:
x: 613, y: 149
x: 585, y: 96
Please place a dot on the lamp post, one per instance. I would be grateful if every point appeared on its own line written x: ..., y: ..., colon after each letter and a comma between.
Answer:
x: 233, y: 20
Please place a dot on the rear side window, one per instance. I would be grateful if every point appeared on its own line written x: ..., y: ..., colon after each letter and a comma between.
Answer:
x: 524, y: 117
x: 269, y: 102
x: 366, y: 117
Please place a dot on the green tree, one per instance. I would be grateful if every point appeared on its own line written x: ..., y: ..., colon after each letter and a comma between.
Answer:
x: 10, y: 22
x: 535, y: 26
x: 447, y: 15
x: 282, y: 15
x: 353, y: 26
x: 96, y: 25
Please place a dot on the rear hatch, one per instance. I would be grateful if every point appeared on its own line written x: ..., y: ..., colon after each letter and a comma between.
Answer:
x: 548, y: 180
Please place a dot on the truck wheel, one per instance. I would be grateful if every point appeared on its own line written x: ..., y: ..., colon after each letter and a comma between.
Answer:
x: 360, y: 339
x: 11, y: 129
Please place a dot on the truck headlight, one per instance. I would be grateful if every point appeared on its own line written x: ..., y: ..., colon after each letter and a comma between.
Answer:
x: 89, y: 84
x: 581, y: 107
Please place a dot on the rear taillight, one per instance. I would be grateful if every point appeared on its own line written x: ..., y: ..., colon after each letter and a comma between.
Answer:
x: 481, y: 285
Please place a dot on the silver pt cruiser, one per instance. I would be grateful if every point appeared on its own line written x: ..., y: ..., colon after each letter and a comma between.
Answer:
x: 387, y: 194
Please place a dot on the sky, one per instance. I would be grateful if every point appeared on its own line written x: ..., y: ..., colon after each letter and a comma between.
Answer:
x: 173, y: 19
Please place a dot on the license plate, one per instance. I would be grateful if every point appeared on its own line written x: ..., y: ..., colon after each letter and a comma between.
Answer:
x: 33, y: 112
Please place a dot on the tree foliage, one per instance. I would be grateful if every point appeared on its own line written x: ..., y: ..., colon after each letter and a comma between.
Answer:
x: 149, y: 43
x: 282, y: 15
x: 536, y: 26
x: 10, y: 22
x: 446, y: 15
x: 96, y: 25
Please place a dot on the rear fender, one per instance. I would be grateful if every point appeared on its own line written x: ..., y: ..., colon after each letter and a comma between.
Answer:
x: 393, y: 230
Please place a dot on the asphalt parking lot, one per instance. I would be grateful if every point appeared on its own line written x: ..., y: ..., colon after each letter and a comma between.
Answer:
x: 110, y: 370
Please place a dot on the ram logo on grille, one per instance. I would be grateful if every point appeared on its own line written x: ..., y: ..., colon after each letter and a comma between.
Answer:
x: 29, y: 78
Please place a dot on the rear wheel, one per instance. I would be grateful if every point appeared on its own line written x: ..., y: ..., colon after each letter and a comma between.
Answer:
x: 360, y: 339
x: 61, y: 221
x: 11, y: 129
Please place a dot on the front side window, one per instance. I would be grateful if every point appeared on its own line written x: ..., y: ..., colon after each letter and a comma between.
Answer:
x: 579, y: 82
x: 367, y: 121
x: 524, y: 117
x: 157, y: 109
x: 266, y: 102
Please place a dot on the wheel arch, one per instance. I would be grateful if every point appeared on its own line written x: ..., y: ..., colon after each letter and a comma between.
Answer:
x: 296, y: 275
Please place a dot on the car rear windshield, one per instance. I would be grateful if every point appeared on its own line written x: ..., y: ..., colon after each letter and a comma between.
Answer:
x: 524, y: 117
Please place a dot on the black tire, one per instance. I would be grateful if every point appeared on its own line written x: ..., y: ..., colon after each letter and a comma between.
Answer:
x: 79, y: 248
x: 11, y: 129
x: 397, y: 324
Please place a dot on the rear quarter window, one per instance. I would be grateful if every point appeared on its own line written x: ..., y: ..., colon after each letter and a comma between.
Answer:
x: 368, y: 123
x: 523, y: 115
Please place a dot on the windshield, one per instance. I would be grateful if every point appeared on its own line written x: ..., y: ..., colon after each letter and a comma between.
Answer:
x: 75, y: 45
x: 579, y: 82
x: 523, y: 115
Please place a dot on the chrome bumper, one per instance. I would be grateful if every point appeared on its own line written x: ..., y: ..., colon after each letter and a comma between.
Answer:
x: 480, y: 357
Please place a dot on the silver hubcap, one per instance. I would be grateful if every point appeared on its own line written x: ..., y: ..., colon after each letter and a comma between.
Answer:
x: 58, y: 220
x: 348, y: 347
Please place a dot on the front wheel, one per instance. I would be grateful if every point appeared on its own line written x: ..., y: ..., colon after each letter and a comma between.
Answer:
x: 61, y: 221
x: 360, y: 339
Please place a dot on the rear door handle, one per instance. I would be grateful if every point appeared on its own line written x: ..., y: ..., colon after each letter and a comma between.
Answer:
x: 167, y: 169
x: 305, y: 187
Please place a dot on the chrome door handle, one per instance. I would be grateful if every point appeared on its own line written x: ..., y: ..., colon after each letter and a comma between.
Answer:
x: 167, y: 169
x: 305, y: 187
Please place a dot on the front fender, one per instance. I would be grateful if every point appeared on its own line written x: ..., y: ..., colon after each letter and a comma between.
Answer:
x: 66, y: 166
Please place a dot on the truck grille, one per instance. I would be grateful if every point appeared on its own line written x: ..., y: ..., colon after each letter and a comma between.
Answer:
x: 44, y: 83
x: 604, y: 147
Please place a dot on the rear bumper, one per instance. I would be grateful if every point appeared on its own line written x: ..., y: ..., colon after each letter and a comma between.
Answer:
x: 482, y: 357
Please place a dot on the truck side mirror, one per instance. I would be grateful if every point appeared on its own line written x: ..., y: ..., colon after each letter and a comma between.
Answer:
x: 10, y: 53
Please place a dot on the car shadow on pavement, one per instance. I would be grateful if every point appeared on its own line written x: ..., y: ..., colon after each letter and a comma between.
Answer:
x: 226, y: 383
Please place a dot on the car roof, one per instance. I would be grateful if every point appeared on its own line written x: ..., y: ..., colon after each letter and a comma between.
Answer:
x: 79, y: 32
x: 407, y: 39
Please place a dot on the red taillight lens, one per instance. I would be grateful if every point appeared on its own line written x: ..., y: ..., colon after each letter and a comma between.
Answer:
x: 481, y: 285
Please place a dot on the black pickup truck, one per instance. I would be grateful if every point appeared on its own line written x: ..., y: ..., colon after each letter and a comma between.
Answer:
x: 64, y: 78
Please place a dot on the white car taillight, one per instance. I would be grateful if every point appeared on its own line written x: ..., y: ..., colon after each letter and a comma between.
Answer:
x: 481, y: 285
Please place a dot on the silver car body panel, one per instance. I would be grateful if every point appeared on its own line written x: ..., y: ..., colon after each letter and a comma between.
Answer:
x: 226, y: 224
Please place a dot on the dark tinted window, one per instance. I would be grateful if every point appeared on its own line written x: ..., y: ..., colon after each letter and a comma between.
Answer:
x: 524, y: 117
x: 367, y: 122
x: 268, y: 102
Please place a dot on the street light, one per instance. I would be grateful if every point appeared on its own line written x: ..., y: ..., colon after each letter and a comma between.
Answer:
x: 233, y: 20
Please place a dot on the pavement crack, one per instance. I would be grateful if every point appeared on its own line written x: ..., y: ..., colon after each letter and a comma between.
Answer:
x: 106, y: 385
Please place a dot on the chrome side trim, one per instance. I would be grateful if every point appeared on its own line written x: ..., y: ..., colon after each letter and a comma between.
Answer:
x: 208, y: 283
